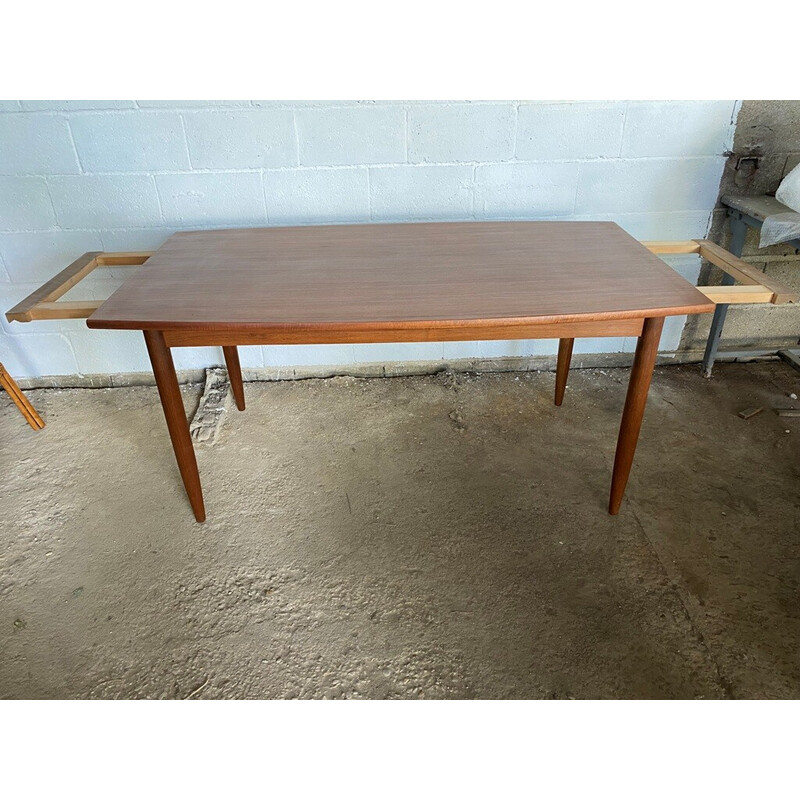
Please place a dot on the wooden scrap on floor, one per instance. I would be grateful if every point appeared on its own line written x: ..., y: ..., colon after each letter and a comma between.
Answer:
x: 791, y: 358
x: 22, y: 403
x: 750, y: 412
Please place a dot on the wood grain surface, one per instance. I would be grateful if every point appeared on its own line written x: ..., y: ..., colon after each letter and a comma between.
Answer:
x: 303, y: 281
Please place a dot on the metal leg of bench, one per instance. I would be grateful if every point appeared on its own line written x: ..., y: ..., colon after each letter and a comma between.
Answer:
x: 791, y: 357
x: 738, y: 233
x: 714, y: 335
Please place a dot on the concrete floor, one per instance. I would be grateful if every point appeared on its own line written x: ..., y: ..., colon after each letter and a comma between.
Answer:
x: 438, y: 537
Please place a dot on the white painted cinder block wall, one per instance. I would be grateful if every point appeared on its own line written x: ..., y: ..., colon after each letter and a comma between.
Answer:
x: 124, y: 175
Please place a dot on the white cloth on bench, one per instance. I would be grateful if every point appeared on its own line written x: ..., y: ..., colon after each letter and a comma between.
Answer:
x: 785, y: 226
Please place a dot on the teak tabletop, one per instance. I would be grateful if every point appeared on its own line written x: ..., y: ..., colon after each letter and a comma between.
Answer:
x: 364, y: 276
x: 401, y: 282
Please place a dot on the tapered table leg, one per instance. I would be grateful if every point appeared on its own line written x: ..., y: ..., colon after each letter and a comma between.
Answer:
x: 635, y: 401
x: 170, y: 393
x: 562, y: 367
x: 234, y: 375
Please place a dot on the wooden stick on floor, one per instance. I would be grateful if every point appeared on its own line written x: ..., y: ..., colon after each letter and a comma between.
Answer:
x: 172, y: 403
x: 21, y: 402
x: 234, y: 375
x: 562, y: 367
x: 638, y: 386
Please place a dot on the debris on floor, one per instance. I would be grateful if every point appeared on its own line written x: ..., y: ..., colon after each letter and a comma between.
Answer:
x: 214, y: 405
x: 747, y: 413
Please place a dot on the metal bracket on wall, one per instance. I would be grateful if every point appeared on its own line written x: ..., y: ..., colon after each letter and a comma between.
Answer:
x: 44, y: 302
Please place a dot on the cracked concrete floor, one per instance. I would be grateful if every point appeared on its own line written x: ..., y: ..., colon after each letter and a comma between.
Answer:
x: 439, y: 537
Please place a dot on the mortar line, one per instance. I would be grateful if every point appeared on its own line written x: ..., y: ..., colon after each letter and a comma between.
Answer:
x: 158, y: 200
x: 74, y: 146
x: 186, y: 142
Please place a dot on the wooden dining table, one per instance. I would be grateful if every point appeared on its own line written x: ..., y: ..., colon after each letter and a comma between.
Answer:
x: 411, y: 282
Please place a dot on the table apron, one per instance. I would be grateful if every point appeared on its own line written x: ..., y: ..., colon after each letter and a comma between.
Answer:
x: 188, y: 337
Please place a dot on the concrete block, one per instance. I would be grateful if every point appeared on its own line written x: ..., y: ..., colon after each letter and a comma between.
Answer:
x: 349, y: 136
x: 251, y: 357
x: 686, y: 265
x: 700, y: 128
x: 400, y: 351
x: 10, y: 295
x: 524, y: 191
x: 760, y: 326
x: 421, y: 192
x: 25, y: 204
x: 201, y: 358
x: 7, y: 106
x: 75, y: 105
x: 36, y: 144
x: 658, y: 184
x: 127, y: 239
x: 659, y: 225
x: 792, y: 161
x: 770, y: 126
x: 211, y: 199
x: 461, y: 132
x: 601, y: 344
x: 671, y: 334
x: 552, y: 131
x: 132, y: 142
x: 456, y: 350
x: 109, y: 351
x: 241, y: 139
x: 31, y: 257
x: 499, y: 348
x: 532, y: 348
x: 786, y: 271
x: 190, y: 358
x: 99, y: 285
x: 297, y: 104
x: 307, y: 355
x: 105, y: 201
x: 36, y: 355
x: 300, y: 196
